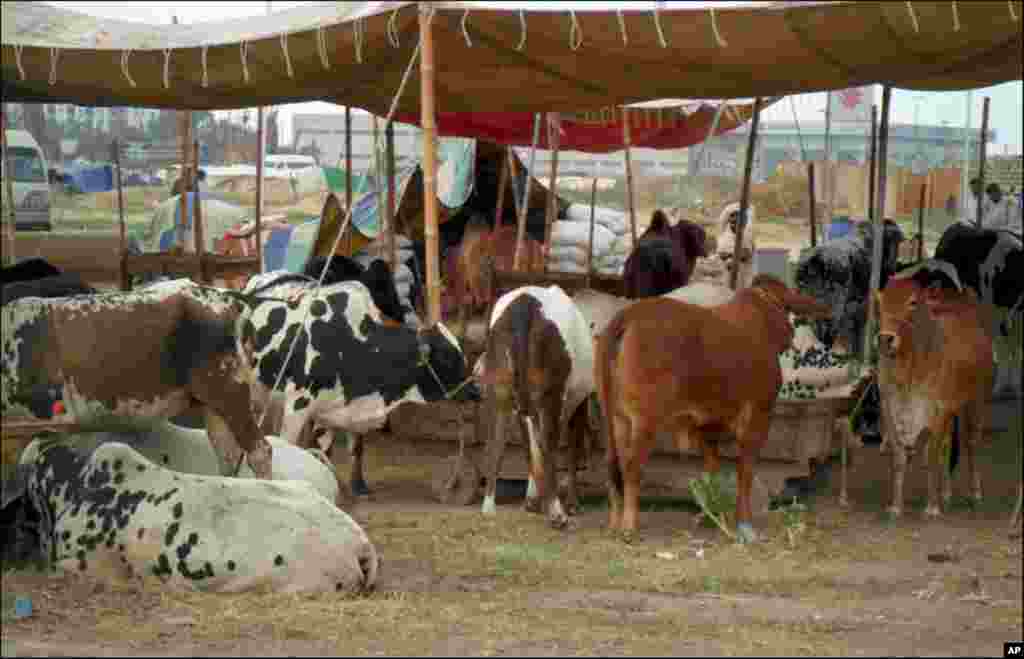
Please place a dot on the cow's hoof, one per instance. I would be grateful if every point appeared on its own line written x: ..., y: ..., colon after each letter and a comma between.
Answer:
x: 360, y: 489
x: 532, y: 505
x: 745, y: 533
x: 558, y: 521
x: 629, y: 536
x: 489, y: 507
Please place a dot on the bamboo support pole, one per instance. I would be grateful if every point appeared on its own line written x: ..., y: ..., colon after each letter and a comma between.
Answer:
x: 510, y: 159
x: 748, y: 167
x: 499, y: 208
x: 121, y: 226
x: 590, y: 239
x: 549, y: 217
x: 10, y: 225
x: 348, y: 173
x: 427, y: 120
x: 982, y: 151
x: 872, y: 162
x: 389, y: 147
x: 814, y: 204
x: 627, y: 141
x: 378, y: 178
x: 185, y: 136
x: 517, y: 263
x: 198, y: 233
x: 920, y: 222
x: 878, y: 220
x: 259, y: 189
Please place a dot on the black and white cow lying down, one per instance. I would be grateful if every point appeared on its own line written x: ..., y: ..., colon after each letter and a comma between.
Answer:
x: 110, y: 512
x: 39, y: 278
x: 349, y: 368
x: 150, y: 354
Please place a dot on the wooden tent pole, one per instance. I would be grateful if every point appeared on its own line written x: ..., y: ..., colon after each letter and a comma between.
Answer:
x: 185, y: 135
x: 378, y: 180
x: 348, y: 173
x: 511, y: 161
x: 590, y: 239
x: 427, y: 120
x: 872, y: 164
x: 920, y: 222
x: 982, y: 151
x: 499, y: 209
x: 198, y: 232
x: 517, y: 263
x: 122, y: 229
x: 814, y: 203
x: 748, y: 168
x: 11, y: 223
x: 259, y: 190
x: 389, y: 147
x: 549, y: 217
x: 626, y: 141
x: 879, y: 218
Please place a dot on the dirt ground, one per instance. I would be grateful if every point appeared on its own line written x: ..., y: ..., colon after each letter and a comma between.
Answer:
x: 456, y: 583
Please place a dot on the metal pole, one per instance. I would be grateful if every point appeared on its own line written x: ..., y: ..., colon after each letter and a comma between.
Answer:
x: 920, y: 222
x: 878, y: 220
x: 198, y: 235
x: 873, y: 162
x: 590, y: 239
x: 259, y: 191
x: 122, y: 229
x: 549, y: 218
x: 828, y: 160
x: 348, y: 172
x: 521, y: 229
x: 427, y: 120
x: 983, y: 142
x: 814, y: 203
x: 748, y: 168
x: 11, y: 224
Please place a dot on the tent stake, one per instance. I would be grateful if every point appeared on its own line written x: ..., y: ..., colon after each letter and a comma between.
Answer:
x: 549, y: 218
x: 523, y: 207
x: 748, y: 168
x: 878, y: 220
x: 982, y: 151
x: 626, y: 140
x: 428, y: 121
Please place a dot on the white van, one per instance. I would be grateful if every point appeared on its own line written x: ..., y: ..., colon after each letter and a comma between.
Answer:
x: 285, y: 163
x: 30, y: 179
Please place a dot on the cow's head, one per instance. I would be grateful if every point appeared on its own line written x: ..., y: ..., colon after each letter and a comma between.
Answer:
x: 449, y: 374
x: 897, y: 304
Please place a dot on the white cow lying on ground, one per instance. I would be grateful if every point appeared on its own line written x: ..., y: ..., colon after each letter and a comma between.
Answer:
x: 109, y: 511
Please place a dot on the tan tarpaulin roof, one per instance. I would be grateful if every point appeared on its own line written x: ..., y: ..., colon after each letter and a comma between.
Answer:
x: 568, y: 61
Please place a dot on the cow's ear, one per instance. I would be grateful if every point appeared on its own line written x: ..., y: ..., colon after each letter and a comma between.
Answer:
x: 877, y: 298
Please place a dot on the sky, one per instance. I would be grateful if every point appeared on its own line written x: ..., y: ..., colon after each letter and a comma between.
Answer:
x: 931, y: 108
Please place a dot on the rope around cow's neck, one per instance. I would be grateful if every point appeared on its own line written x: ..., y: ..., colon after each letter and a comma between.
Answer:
x: 341, y: 231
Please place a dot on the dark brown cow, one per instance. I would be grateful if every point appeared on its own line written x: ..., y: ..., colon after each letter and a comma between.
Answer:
x: 662, y: 364
x: 150, y: 353
x: 664, y: 258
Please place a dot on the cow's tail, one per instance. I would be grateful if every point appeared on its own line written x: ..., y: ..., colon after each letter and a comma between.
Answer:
x: 954, y: 448
x: 609, y: 343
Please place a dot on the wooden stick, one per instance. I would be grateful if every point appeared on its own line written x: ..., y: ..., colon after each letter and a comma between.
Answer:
x: 814, y: 203
x: 748, y: 168
x: 920, y: 222
x: 259, y: 189
x: 549, y: 218
x: 389, y: 146
x: 872, y: 162
x: 521, y: 229
x: 427, y: 120
x: 982, y: 150
x: 499, y: 209
x: 348, y: 174
x: 122, y: 228
x: 512, y: 172
x: 878, y: 219
x: 378, y: 178
x: 185, y: 135
x: 197, y: 218
x: 626, y: 141
x: 590, y: 240
x: 10, y: 227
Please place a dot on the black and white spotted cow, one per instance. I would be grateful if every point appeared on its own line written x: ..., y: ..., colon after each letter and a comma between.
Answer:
x: 147, y: 354
x: 39, y: 278
x: 349, y: 367
x: 109, y: 512
x: 838, y: 273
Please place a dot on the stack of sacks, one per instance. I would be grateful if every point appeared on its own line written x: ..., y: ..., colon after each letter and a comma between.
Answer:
x: 570, y: 238
x: 405, y: 279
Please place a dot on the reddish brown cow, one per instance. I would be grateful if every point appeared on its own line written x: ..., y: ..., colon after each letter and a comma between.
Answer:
x: 663, y: 364
x: 664, y: 258
x: 935, y: 364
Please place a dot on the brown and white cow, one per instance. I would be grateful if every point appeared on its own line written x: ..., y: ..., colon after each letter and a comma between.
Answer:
x: 663, y: 364
x: 538, y: 367
x: 109, y: 360
x: 935, y: 364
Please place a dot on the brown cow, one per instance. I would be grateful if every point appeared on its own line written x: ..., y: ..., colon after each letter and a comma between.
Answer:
x: 665, y: 257
x: 935, y: 364
x: 663, y: 364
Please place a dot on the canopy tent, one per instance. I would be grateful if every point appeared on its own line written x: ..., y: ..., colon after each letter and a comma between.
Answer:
x: 518, y: 57
x: 664, y: 127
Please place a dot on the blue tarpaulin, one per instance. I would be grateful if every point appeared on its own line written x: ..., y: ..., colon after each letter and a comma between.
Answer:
x: 91, y: 179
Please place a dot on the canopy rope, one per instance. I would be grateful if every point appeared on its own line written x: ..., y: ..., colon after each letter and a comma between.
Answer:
x: 714, y: 28
x: 167, y: 68
x: 287, y: 58
x: 913, y: 17
x: 622, y: 27
x: 124, y: 67
x: 956, y: 18
x: 357, y: 38
x: 243, y: 49
x: 1013, y: 12
x: 206, y: 77
x: 465, y: 32
x: 522, y: 28
x: 337, y: 238
x: 17, y: 59
x: 661, y: 33
x: 321, y: 48
x: 54, y: 56
x: 575, y: 32
x: 393, y: 28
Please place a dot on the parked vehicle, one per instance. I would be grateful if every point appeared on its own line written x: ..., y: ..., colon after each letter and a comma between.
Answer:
x: 30, y: 182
